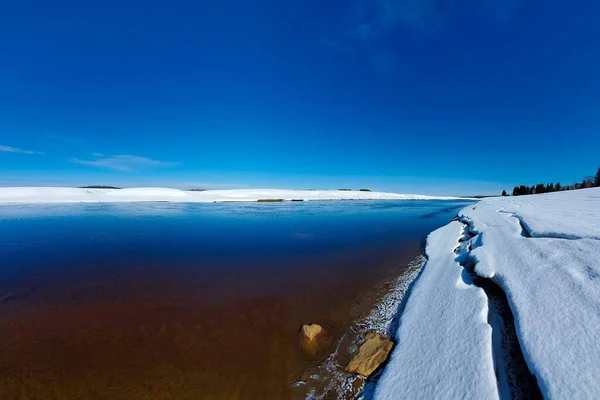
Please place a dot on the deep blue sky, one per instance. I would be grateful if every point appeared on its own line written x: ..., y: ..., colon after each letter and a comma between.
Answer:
x: 446, y: 96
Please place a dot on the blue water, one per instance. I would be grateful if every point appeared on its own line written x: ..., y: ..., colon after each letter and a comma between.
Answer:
x: 202, y: 300
x: 41, y: 241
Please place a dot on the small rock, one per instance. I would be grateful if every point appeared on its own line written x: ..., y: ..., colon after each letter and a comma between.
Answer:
x: 312, y: 338
x: 305, y: 376
x: 371, y: 354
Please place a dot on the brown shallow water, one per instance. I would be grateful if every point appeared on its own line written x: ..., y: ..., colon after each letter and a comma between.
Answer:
x: 102, y: 343
x: 136, y: 326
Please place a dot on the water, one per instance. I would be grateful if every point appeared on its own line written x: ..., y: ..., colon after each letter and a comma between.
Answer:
x: 162, y: 300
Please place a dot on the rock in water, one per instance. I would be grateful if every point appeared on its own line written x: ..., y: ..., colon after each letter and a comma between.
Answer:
x: 371, y: 354
x: 311, y: 338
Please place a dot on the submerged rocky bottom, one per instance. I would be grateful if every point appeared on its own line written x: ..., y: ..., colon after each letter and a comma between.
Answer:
x: 378, y: 313
x: 92, y: 341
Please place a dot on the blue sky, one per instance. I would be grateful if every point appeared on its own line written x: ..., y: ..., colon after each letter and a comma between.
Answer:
x: 436, y: 97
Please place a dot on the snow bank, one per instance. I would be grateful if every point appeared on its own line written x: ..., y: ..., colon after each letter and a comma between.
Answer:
x: 444, y: 341
x: 22, y: 195
x: 544, y: 253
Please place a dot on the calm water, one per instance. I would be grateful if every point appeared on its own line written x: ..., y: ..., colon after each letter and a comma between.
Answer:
x: 161, y: 300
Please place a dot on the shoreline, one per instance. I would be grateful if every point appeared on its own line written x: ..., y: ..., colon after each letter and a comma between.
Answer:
x: 65, y: 195
x: 330, y: 377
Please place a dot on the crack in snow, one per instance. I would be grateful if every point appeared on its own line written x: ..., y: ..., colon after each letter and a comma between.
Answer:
x: 527, y: 232
x: 515, y: 380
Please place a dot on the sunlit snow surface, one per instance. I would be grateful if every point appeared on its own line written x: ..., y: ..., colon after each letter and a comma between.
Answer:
x: 444, y: 341
x: 544, y: 252
x: 21, y: 195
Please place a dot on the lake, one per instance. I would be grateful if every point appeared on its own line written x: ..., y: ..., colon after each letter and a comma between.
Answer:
x: 188, y: 301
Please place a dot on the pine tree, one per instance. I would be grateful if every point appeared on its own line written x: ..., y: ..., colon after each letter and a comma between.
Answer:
x: 504, y: 193
x: 540, y: 188
x: 597, y: 180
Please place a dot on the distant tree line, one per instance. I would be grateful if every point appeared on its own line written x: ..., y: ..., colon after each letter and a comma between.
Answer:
x: 588, y: 182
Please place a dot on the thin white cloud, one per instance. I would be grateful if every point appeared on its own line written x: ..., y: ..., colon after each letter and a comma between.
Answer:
x: 432, y: 15
x: 420, y: 15
x: 10, y: 149
x: 369, y: 24
x: 124, y: 162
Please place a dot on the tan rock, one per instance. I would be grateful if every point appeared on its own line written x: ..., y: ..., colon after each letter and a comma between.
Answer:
x: 305, y: 376
x: 311, y: 338
x: 371, y: 354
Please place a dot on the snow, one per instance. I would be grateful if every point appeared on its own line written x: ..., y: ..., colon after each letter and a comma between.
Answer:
x: 444, y: 341
x: 25, y: 195
x: 549, y: 268
x: 544, y: 253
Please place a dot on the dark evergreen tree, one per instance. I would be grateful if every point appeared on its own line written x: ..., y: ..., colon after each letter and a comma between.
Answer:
x: 504, y: 193
x: 588, y: 182
x: 540, y: 188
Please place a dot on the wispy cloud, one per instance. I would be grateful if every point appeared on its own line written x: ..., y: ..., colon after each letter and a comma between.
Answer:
x: 412, y: 14
x: 10, y: 149
x: 124, y: 163
x: 384, y: 16
x: 371, y: 26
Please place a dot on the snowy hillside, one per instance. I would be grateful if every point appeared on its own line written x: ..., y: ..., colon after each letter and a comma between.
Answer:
x: 20, y: 195
x: 543, y: 251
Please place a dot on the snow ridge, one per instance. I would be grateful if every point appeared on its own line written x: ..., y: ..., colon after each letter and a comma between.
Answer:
x: 543, y: 252
x: 515, y: 381
x: 549, y: 274
x: 446, y: 349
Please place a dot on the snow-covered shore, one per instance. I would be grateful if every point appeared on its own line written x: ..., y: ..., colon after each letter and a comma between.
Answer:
x: 28, y: 195
x: 543, y: 251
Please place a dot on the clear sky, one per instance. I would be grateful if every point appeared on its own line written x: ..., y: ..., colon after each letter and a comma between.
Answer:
x: 429, y: 96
